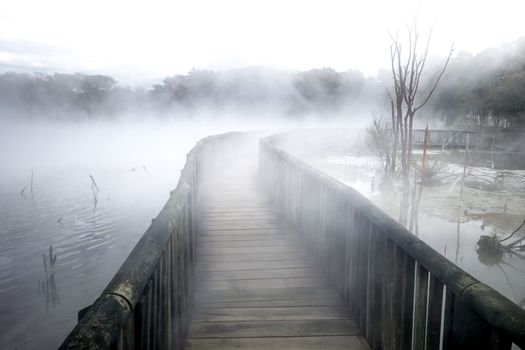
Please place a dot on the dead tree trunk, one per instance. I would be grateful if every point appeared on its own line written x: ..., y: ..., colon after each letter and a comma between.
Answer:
x: 407, y: 71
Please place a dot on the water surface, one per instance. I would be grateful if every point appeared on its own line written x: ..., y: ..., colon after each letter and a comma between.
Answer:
x: 135, y: 165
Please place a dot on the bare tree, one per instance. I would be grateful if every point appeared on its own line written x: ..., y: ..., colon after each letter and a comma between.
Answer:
x: 379, y: 139
x: 406, y: 99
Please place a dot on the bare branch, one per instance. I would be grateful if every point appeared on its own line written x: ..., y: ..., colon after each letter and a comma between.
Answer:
x: 437, y: 80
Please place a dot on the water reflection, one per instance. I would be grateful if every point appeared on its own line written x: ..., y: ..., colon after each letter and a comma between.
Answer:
x: 88, y: 239
x: 48, y: 287
x: 459, y: 227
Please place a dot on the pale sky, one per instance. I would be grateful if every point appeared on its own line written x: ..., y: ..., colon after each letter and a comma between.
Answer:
x: 139, y: 42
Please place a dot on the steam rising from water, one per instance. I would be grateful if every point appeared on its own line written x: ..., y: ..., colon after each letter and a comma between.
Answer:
x: 135, y: 164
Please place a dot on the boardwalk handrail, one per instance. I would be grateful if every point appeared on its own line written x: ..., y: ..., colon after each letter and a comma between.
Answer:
x: 442, y: 138
x: 146, y: 305
x: 402, y: 293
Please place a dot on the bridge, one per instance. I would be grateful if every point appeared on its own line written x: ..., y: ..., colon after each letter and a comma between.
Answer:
x: 256, y: 249
x: 445, y: 138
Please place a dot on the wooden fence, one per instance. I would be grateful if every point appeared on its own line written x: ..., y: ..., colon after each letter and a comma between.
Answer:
x: 444, y: 138
x: 402, y: 293
x: 147, y: 304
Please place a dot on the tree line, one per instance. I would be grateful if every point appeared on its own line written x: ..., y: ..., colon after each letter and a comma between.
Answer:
x: 255, y: 89
x: 487, y: 89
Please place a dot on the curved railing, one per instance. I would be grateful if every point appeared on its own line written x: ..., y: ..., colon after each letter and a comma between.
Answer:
x: 402, y: 293
x: 146, y: 305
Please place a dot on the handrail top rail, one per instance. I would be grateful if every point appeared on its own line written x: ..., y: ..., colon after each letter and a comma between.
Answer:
x: 496, y: 309
x: 447, y: 130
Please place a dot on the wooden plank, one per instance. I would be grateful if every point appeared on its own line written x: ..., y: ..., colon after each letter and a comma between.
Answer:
x: 236, y: 215
x: 252, y: 217
x: 237, y: 208
x: 269, y: 314
x: 253, y: 265
x: 266, y: 231
x: 235, y: 199
x: 220, y: 205
x: 258, y: 274
x: 273, y: 329
x: 248, y: 194
x: 290, y: 343
x: 246, y: 250
x: 407, y: 301
x: 233, y: 238
x: 241, y: 225
x: 248, y: 244
x: 298, y: 301
x: 435, y: 303
x: 253, y: 257
x: 420, y: 306
x: 239, y: 220
x: 247, y: 284
x: 263, y: 294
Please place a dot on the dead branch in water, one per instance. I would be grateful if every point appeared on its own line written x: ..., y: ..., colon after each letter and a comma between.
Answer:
x: 32, y: 177
x: 514, y: 232
x: 94, y: 190
x: 95, y: 194
x: 93, y: 183
x: 464, y: 169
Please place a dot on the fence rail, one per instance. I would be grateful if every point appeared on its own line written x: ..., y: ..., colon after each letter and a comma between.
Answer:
x: 402, y: 293
x: 444, y: 138
x: 147, y: 304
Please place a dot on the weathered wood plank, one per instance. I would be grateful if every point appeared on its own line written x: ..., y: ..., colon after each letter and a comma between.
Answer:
x: 243, y: 232
x: 253, y: 257
x: 273, y: 329
x: 241, y: 225
x: 263, y: 294
x: 290, y: 343
x: 249, y: 244
x: 238, y: 208
x: 270, y: 313
x: 237, y: 216
x: 235, y: 238
x: 297, y: 301
x: 247, y: 284
x: 259, y: 274
x: 246, y: 250
x: 253, y: 265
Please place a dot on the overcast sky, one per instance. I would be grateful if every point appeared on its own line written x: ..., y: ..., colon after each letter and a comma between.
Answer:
x: 139, y: 42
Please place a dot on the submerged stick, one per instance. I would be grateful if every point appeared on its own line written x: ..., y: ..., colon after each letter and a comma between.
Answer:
x: 93, y: 183
x: 423, y: 166
x: 32, y: 176
x: 514, y: 232
x: 515, y: 243
x: 464, y: 169
x: 95, y: 198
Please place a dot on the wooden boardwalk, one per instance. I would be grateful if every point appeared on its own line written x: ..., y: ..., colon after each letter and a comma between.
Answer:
x: 256, y: 288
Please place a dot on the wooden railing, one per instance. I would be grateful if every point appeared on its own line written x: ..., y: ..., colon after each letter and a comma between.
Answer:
x: 444, y: 138
x: 402, y: 293
x: 147, y: 304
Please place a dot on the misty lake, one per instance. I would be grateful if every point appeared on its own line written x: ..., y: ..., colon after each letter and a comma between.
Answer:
x: 135, y: 165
